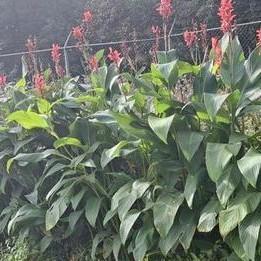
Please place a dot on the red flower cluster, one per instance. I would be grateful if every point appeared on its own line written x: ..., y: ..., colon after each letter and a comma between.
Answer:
x: 217, y: 51
x: 226, y: 14
x: 56, y: 53
x: 3, y: 80
x: 165, y: 9
x: 39, y: 82
x: 190, y: 37
x: 87, y: 16
x: 93, y: 63
x: 78, y: 33
x: 258, y: 36
x: 56, y: 57
x: 115, y: 56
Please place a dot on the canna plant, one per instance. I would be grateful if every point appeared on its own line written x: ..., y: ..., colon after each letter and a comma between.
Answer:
x: 123, y: 167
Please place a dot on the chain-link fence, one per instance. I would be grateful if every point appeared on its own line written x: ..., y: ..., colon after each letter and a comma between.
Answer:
x: 137, y: 50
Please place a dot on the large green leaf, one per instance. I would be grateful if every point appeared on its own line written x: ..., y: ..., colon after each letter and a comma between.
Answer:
x: 161, y: 126
x: 249, y: 232
x: 208, y: 216
x: 67, y: 141
x: 227, y: 184
x: 127, y: 224
x: 237, y: 210
x: 117, y: 151
x: 165, y: 210
x: 143, y: 241
x: 28, y: 119
x: 250, y: 166
x: 232, y: 67
x: 213, y: 103
x: 171, y: 241
x: 92, y: 208
x: 218, y: 156
x: 189, y: 142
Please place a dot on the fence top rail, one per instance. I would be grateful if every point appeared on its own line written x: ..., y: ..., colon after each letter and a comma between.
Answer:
x: 66, y: 47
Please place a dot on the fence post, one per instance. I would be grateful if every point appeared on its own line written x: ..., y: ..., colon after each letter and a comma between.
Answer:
x: 66, y: 60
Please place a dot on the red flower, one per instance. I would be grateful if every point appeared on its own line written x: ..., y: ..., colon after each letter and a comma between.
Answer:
x: 39, y: 82
x: 3, y: 80
x: 155, y: 30
x: 165, y: 8
x: 87, y: 16
x: 217, y: 51
x: 93, y: 63
x: 226, y: 14
x: 190, y: 38
x: 78, y: 33
x: 258, y: 36
x: 56, y: 53
x: 115, y: 56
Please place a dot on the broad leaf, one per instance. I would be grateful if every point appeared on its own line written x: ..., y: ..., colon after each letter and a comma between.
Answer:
x: 28, y: 120
x: 165, y: 210
x: 250, y: 166
x: 189, y: 142
x: 67, y: 141
x: 161, y: 126
x: 92, y: 208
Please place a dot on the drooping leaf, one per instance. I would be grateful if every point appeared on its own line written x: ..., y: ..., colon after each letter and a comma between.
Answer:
x: 189, y: 142
x: 127, y: 224
x: 28, y: 119
x: 227, y: 184
x: 73, y: 218
x: 161, y: 126
x: 213, y: 103
x: 191, y: 186
x: 92, y: 208
x: 249, y: 232
x: 217, y: 157
x: 67, y: 141
x: 237, y: 210
x: 250, y: 166
x: 208, y: 216
x: 165, y: 210
x: 143, y: 241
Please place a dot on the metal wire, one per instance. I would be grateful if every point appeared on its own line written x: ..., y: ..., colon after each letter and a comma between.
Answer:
x: 115, y: 42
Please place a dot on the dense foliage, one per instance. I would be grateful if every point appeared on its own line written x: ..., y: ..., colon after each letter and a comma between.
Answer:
x: 129, y: 166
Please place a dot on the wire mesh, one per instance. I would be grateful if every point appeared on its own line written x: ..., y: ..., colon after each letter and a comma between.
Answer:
x: 137, y: 50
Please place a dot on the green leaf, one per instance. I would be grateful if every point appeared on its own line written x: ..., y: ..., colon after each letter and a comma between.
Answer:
x: 213, y: 103
x: 143, y: 241
x: 127, y: 224
x: 73, y: 218
x: 28, y: 120
x: 21, y: 83
x: 31, y: 157
x: 44, y: 106
x: 54, y: 213
x: 165, y: 210
x: 161, y: 126
x: 92, y: 208
x: 189, y: 142
x: 109, y: 154
x: 208, y: 216
x: 75, y: 200
x: 217, y: 158
x: 171, y: 241
x: 169, y: 72
x: 227, y: 184
x: 249, y: 232
x: 116, y: 246
x: 45, y: 243
x: 250, y: 166
x: 232, y: 68
x: 188, y: 226
x: 237, y: 210
x: 191, y: 186
x: 67, y: 141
